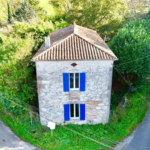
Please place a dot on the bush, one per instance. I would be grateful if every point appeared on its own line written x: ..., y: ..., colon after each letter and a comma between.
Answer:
x: 16, y: 52
x: 15, y: 72
x: 132, y: 43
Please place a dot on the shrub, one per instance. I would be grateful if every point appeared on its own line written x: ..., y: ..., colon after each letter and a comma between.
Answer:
x: 15, y: 72
x: 133, y: 43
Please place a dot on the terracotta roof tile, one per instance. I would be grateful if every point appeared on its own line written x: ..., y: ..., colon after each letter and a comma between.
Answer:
x: 75, y: 43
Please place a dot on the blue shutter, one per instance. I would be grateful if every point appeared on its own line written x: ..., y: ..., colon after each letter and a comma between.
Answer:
x: 66, y: 82
x: 82, y: 81
x: 66, y: 112
x: 82, y: 111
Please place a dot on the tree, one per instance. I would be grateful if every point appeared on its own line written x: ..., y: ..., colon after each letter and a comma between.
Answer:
x: 63, y: 5
x: 35, y: 4
x: 95, y: 14
x: 138, y: 5
x: 137, y: 9
x: 133, y: 43
x: 25, y: 12
x: 9, y: 13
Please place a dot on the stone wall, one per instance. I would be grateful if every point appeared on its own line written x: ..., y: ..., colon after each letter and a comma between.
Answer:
x: 96, y: 97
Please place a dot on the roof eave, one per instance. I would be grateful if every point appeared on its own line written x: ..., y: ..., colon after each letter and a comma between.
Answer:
x: 116, y: 59
x: 79, y: 60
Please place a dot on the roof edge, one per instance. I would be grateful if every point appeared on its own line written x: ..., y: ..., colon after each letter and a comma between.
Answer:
x: 53, y: 46
x: 80, y: 60
x: 86, y: 28
x: 114, y: 58
x: 95, y: 45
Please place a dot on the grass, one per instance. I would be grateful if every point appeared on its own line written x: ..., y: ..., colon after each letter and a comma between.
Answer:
x: 119, y: 127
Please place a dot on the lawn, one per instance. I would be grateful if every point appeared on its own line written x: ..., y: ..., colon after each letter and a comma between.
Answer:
x: 126, y: 119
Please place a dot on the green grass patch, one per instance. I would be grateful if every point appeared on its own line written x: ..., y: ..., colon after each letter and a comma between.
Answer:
x: 126, y: 119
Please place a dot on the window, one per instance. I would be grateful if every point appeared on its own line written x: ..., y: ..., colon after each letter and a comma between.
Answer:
x: 74, y: 81
x: 74, y: 111
x: 74, y: 64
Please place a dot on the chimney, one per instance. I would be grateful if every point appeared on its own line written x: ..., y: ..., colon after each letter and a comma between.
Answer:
x: 47, y: 42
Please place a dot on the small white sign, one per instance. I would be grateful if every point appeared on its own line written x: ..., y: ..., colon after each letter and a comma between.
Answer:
x: 51, y: 125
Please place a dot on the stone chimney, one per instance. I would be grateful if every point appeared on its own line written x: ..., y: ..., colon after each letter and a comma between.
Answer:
x: 47, y: 42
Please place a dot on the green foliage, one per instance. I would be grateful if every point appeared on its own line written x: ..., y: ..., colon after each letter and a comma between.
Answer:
x: 17, y: 49
x: 96, y: 14
x: 3, y: 12
x: 16, y: 52
x: 14, y: 7
x: 132, y: 43
x: 62, y: 5
x: 6, y: 102
x: 125, y: 121
x: 103, y: 16
x: 35, y: 4
x: 9, y: 13
x: 45, y: 4
x: 138, y: 5
x: 15, y: 60
x: 1, y: 40
x: 25, y: 12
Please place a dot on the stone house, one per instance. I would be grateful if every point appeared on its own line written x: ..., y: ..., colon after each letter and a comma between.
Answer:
x: 74, y: 76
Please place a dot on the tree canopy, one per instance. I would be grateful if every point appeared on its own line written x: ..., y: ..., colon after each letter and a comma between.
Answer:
x: 132, y: 42
x: 62, y: 5
x: 25, y: 12
x: 98, y: 15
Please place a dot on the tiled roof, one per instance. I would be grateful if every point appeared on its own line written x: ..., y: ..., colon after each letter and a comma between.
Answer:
x: 75, y: 43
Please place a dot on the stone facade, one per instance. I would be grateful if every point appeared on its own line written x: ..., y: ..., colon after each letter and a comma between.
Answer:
x: 96, y: 97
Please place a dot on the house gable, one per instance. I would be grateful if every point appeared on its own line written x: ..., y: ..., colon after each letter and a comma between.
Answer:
x: 75, y: 43
x: 74, y: 48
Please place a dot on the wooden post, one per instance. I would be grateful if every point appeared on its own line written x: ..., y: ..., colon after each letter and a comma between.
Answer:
x: 51, y: 132
x: 30, y: 112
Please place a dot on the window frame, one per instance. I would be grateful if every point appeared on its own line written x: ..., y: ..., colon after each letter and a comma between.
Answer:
x: 74, y: 81
x: 74, y: 111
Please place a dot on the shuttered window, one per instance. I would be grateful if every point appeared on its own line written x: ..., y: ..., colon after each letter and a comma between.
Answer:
x: 66, y: 82
x: 82, y: 111
x: 74, y: 81
x: 82, y: 81
x: 74, y: 111
x: 66, y: 112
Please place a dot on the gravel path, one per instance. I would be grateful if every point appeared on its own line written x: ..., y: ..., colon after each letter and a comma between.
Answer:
x: 9, y: 141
